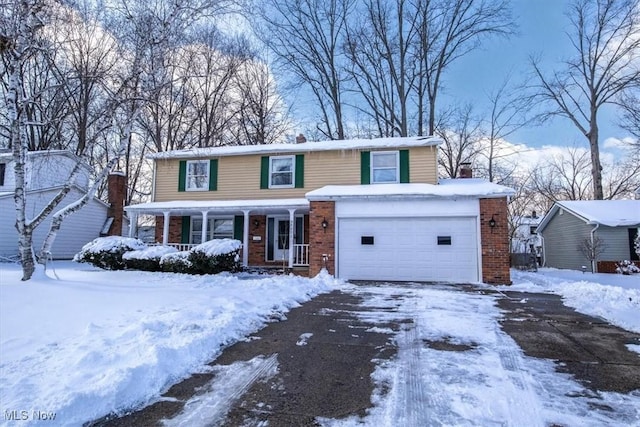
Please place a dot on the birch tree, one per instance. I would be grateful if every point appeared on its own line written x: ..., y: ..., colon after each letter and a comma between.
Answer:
x: 605, y: 36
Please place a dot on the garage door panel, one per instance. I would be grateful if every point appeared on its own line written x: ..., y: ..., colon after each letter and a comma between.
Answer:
x: 407, y: 249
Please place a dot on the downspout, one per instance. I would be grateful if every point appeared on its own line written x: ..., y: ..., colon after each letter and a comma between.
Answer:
x: 593, y: 262
x: 544, y: 252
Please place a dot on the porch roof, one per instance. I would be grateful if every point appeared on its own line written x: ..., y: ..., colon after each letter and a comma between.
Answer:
x: 186, y: 207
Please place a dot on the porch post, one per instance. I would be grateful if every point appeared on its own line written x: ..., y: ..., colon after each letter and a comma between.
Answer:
x: 205, y: 223
x: 245, y: 239
x: 292, y: 227
x: 133, y: 222
x: 165, y: 228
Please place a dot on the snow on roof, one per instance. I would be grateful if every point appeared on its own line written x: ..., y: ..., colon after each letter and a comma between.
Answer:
x: 227, y: 205
x: 8, y: 155
x: 612, y: 213
x: 350, y: 144
x: 469, y: 187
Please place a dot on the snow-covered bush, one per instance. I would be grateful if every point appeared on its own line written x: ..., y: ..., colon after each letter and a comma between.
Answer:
x: 147, y: 259
x: 216, y: 256
x: 176, y: 262
x: 626, y: 267
x: 107, y: 252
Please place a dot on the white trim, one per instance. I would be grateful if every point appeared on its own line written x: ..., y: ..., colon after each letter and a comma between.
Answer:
x: 293, y: 171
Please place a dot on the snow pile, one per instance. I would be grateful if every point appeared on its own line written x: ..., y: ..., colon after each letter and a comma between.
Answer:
x: 100, y: 341
x: 181, y: 258
x: 614, y: 297
x: 218, y: 247
x: 150, y: 253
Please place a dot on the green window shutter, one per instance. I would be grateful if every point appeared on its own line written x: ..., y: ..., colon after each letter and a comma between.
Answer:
x: 365, y: 167
x: 264, y: 172
x: 182, y: 175
x: 213, y: 174
x: 404, y: 166
x: 238, y: 227
x: 299, y: 171
x: 186, y: 229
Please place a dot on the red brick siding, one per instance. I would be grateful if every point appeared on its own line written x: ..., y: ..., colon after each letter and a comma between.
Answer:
x: 494, y: 241
x: 322, y: 241
x: 175, y: 229
x: 610, y: 266
x: 117, y: 194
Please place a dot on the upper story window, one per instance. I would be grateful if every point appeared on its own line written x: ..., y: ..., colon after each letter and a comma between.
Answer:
x: 3, y: 168
x: 385, y: 167
x: 533, y: 229
x: 281, y: 171
x: 197, y: 175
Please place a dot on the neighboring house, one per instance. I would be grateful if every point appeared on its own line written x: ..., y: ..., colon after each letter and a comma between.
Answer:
x: 568, y: 224
x: 363, y: 209
x: 525, y: 237
x: 46, y: 173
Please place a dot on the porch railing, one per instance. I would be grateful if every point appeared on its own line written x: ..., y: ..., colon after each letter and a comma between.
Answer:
x: 300, y: 255
x: 300, y: 252
x: 179, y: 246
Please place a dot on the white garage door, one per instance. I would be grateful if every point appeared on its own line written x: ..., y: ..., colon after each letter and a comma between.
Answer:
x: 420, y: 249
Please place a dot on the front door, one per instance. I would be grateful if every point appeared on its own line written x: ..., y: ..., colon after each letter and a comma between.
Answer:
x: 281, y: 239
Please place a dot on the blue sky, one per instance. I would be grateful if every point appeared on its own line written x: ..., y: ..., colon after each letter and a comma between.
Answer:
x: 541, y: 32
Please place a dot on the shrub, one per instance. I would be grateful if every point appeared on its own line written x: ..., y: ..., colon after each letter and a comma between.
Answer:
x: 626, y: 267
x: 216, y: 256
x: 107, y: 252
x: 176, y: 262
x: 147, y: 259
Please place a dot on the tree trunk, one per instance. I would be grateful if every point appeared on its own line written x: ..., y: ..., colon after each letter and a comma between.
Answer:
x: 596, y: 166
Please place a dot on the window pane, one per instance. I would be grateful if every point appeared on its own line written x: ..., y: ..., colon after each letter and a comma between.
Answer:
x: 222, y: 228
x: 384, y: 175
x: 281, y: 165
x: 384, y: 160
x: 197, y: 175
x: 282, y: 178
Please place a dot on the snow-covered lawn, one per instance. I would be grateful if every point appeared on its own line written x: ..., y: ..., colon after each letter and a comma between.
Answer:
x: 93, y: 341
x: 96, y: 341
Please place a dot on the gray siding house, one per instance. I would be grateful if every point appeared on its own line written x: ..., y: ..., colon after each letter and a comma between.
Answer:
x: 568, y: 223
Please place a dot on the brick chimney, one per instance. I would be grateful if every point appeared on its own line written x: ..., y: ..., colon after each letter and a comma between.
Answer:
x: 465, y: 171
x: 300, y: 139
x: 117, y: 191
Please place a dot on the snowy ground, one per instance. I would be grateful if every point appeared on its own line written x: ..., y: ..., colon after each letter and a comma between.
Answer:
x: 95, y: 341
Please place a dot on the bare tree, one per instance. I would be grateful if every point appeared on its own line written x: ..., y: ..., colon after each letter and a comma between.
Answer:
x: 508, y: 114
x: 630, y: 121
x: 306, y: 38
x: 262, y: 117
x: 605, y: 35
x: 592, y: 248
x: 449, y: 29
x: 380, y: 51
x: 563, y: 176
x: 460, y: 131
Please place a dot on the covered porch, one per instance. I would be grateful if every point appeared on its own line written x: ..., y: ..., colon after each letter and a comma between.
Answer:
x: 274, y: 233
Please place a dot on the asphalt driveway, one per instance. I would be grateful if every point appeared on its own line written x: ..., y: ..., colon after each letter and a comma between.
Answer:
x: 414, y: 355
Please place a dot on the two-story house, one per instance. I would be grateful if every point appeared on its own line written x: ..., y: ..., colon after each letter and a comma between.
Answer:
x: 363, y: 209
x: 46, y: 173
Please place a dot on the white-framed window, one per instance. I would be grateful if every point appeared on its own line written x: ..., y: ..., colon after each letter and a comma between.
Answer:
x: 197, y: 175
x: 281, y: 171
x: 385, y: 167
x: 218, y: 228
